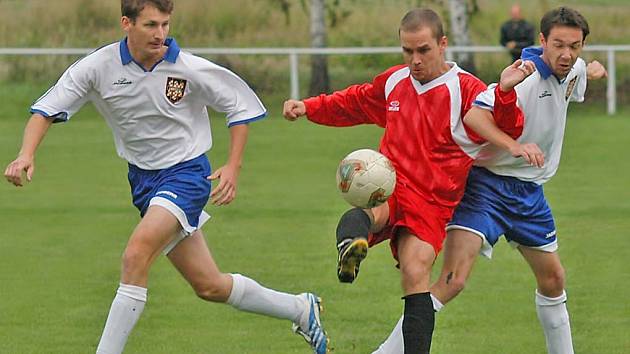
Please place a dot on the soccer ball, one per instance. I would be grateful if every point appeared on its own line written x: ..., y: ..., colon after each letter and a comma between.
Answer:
x: 366, y: 178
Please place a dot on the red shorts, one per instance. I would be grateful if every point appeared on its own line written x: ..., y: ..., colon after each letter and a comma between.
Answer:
x: 424, y: 220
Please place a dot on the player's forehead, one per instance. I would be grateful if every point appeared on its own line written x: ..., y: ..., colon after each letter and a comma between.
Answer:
x: 150, y: 13
x: 565, y: 34
x: 423, y: 36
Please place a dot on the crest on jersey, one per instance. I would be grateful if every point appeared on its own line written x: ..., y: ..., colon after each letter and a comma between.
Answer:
x: 175, y: 89
x: 570, y: 88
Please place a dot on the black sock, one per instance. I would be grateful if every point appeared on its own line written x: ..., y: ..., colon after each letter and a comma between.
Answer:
x: 353, y: 223
x: 418, y: 323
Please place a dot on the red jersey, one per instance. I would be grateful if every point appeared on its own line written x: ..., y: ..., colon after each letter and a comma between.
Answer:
x: 425, y: 137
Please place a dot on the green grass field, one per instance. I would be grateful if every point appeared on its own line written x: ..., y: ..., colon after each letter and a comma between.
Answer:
x: 61, y: 238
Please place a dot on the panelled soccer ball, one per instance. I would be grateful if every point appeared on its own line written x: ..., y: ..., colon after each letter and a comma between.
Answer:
x: 366, y: 178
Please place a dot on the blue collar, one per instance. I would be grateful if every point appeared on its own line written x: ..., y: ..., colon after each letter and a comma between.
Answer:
x: 171, y: 53
x: 533, y: 54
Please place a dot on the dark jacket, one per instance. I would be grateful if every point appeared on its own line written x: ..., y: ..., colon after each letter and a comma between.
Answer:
x: 519, y: 31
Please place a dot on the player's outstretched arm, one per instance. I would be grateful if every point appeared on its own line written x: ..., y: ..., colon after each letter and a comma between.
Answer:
x: 227, y: 174
x: 293, y: 109
x: 515, y: 74
x: 34, y: 133
x: 481, y: 121
x: 595, y: 70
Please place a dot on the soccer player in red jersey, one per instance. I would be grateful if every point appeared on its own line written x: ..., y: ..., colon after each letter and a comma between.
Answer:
x: 420, y: 105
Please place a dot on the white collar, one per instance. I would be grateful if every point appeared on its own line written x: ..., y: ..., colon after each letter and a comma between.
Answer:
x: 422, y: 88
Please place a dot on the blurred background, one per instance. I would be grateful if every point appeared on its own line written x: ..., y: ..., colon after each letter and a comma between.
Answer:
x: 62, y: 236
x: 287, y: 23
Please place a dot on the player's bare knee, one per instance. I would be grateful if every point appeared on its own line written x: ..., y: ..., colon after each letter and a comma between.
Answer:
x: 134, y: 261
x: 415, y: 272
x: 552, y: 282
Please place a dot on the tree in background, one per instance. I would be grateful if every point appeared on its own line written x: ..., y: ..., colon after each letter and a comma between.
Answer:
x: 320, y: 12
x: 320, y: 82
x: 458, y: 15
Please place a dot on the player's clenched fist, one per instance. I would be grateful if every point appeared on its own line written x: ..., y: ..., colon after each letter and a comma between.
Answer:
x: 595, y: 70
x: 515, y: 74
x: 13, y: 172
x: 293, y: 109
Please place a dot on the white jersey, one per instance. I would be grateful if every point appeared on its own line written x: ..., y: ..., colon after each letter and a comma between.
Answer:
x: 158, y: 117
x: 542, y: 101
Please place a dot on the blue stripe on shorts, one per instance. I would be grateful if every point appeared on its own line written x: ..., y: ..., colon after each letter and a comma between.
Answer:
x: 500, y: 205
x: 184, y: 184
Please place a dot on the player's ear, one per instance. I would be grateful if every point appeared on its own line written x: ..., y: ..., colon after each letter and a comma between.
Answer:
x: 541, y: 38
x: 443, y: 43
x: 125, y: 23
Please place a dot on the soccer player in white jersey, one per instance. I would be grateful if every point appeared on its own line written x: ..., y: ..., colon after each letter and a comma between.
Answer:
x: 504, y: 194
x: 154, y: 98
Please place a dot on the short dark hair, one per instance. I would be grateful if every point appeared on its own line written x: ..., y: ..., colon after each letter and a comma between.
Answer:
x: 132, y: 8
x: 416, y: 19
x: 563, y: 16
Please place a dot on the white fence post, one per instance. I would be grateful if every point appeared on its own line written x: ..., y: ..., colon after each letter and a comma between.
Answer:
x: 611, y: 84
x: 295, y: 83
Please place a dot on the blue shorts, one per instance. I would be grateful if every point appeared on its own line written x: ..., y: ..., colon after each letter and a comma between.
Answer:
x: 496, y: 205
x: 183, y: 189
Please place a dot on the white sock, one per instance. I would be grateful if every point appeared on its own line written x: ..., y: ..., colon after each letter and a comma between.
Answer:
x: 123, y: 315
x: 554, y: 317
x: 394, y: 344
x: 437, y: 304
x: 248, y: 295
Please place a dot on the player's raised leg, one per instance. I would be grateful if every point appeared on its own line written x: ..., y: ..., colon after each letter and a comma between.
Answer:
x: 551, y: 299
x: 193, y: 260
x: 416, y: 258
x: 153, y: 233
x: 352, y: 242
x: 352, y: 234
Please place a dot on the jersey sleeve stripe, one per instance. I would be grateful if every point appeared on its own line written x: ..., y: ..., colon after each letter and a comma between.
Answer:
x: 247, y: 121
x: 482, y: 104
x: 58, y: 117
x: 394, y: 79
x: 458, y: 132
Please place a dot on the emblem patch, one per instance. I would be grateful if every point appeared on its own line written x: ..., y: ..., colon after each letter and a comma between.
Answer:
x: 394, y: 106
x: 570, y: 88
x: 175, y: 89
